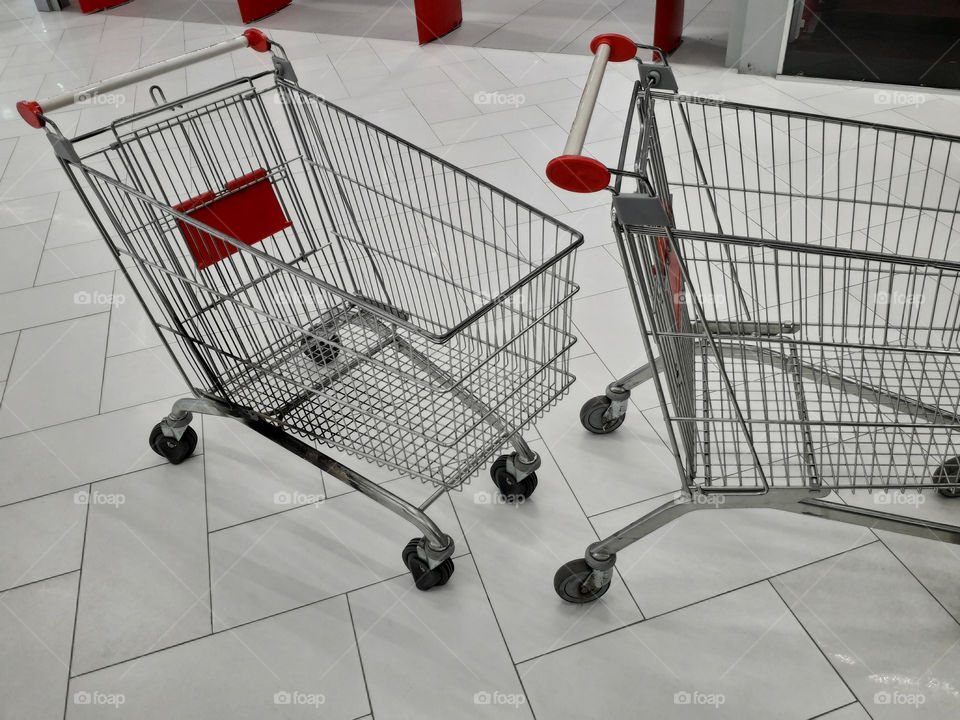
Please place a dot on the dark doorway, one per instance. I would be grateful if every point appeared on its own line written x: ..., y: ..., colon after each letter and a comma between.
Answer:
x: 906, y: 42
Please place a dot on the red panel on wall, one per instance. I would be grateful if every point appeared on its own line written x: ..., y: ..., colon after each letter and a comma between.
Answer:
x: 89, y: 6
x: 435, y: 18
x: 251, y: 10
x: 668, y: 25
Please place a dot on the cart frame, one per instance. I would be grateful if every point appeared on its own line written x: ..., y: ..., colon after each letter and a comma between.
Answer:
x: 429, y: 557
x: 673, y: 319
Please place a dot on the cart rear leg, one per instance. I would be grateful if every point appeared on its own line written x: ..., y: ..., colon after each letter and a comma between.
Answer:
x: 605, y: 413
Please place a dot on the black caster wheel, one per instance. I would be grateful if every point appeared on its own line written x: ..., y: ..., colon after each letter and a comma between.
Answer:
x: 423, y: 576
x: 568, y: 582
x: 512, y: 490
x: 591, y: 416
x: 949, y: 472
x: 322, y: 353
x: 176, y: 451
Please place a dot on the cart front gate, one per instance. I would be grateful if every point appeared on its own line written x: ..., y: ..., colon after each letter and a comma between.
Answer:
x: 796, y: 281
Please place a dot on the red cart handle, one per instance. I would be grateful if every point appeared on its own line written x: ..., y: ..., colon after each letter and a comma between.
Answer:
x: 33, y: 110
x: 572, y: 171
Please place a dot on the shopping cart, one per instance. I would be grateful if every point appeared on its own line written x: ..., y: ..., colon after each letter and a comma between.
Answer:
x: 799, y: 277
x: 327, y: 283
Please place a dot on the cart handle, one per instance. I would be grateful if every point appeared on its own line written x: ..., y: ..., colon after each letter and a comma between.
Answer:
x: 33, y: 110
x: 571, y: 170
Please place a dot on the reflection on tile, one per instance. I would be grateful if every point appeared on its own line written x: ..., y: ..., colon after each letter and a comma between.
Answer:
x: 301, y: 664
x: 22, y: 247
x: 531, y: 541
x: 711, y: 551
x: 80, y: 452
x: 310, y: 553
x: 406, y: 635
x: 53, y: 303
x: 36, y: 624
x: 41, y: 538
x: 55, y: 376
x: 145, y: 578
x: 690, y: 664
x: 249, y: 476
x: 606, y: 471
x: 139, y: 377
x: 893, y: 644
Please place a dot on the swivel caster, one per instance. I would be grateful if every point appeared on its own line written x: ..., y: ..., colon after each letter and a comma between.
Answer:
x: 592, y: 416
x: 948, y: 472
x: 320, y: 351
x: 510, y: 488
x: 423, y: 576
x: 176, y: 451
x: 577, y: 582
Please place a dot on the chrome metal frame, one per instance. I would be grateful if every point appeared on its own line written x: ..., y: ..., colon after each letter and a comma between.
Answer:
x: 440, y: 327
x: 757, y: 386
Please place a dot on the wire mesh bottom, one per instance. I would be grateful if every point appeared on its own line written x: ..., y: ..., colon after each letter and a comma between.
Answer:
x: 835, y: 417
x: 345, y: 393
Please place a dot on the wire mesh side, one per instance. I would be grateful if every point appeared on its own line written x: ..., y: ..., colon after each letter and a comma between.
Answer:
x: 821, y: 283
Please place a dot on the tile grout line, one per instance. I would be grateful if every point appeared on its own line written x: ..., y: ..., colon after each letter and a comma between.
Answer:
x: 206, y: 515
x: 817, y: 645
x: 839, y: 707
x: 914, y: 576
x: 356, y: 643
x: 76, y: 609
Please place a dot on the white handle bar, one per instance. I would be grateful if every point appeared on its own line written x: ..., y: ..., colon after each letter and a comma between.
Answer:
x: 572, y: 171
x: 32, y: 111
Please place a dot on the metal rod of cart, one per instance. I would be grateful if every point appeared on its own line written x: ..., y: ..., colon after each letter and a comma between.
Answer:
x: 796, y: 279
x: 329, y: 284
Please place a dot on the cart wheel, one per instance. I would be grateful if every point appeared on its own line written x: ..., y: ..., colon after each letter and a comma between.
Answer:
x: 423, y: 576
x: 949, y: 472
x: 591, y: 416
x: 176, y: 451
x: 322, y: 353
x: 568, y: 582
x: 512, y: 490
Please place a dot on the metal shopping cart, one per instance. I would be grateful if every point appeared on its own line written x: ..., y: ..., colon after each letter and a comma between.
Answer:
x: 328, y: 283
x: 800, y: 278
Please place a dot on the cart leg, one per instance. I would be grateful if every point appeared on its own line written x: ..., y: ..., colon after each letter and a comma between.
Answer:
x: 586, y: 579
x: 172, y: 437
x: 428, y: 558
x: 605, y: 413
x: 515, y: 474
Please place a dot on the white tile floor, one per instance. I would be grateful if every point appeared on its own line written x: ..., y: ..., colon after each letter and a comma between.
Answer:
x: 134, y: 589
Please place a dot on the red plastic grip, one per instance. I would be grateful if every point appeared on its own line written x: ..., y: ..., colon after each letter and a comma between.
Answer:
x: 577, y: 173
x: 621, y: 47
x: 257, y: 40
x: 30, y: 111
